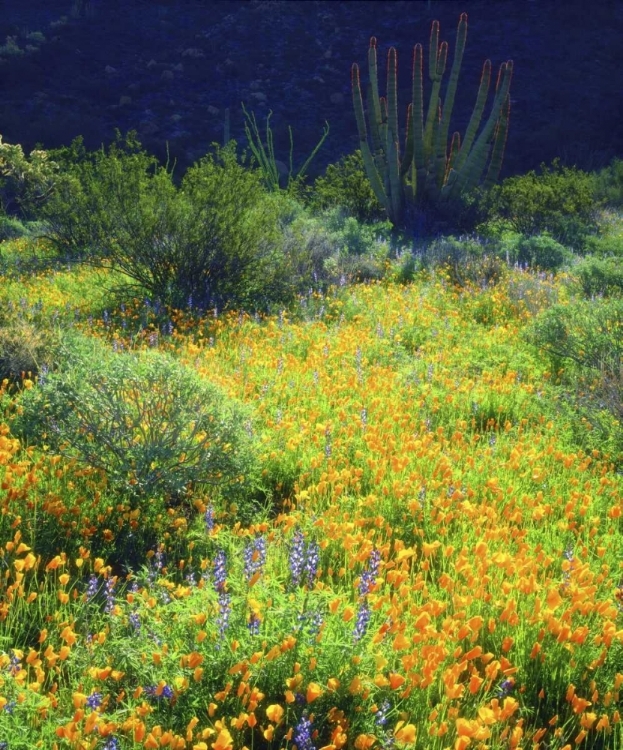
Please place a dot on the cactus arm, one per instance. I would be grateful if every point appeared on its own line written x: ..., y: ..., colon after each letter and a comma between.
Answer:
x: 418, y: 117
x: 373, y: 175
x: 394, y: 181
x: 474, y: 120
x: 369, y: 163
x: 499, y: 144
x: 431, y: 182
x: 358, y: 104
x: 455, y: 147
x: 392, y: 97
x: 405, y: 164
x: 373, y: 97
x: 433, y: 107
x: 474, y: 165
x: 448, y: 103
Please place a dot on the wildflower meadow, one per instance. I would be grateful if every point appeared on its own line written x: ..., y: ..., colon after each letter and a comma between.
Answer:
x: 375, y: 526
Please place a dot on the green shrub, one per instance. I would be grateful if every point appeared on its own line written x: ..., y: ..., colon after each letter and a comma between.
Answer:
x: 600, y: 277
x: 604, y: 246
x: 11, y: 228
x: 584, y: 343
x: 466, y: 259
x: 559, y: 201
x: 155, y: 428
x: 25, y: 181
x: 541, y: 251
x: 332, y: 245
x: 346, y: 185
x: 586, y: 333
x: 608, y: 188
x: 24, y: 349
x: 353, y: 237
x: 212, y: 242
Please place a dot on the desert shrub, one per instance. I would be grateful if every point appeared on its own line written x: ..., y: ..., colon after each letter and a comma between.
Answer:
x: 604, y: 246
x: 24, y: 349
x: 585, y: 333
x: 11, y: 228
x: 331, y: 246
x: 346, y: 185
x: 466, y: 259
x: 541, y: 251
x: 153, y: 426
x: 584, y: 343
x: 608, y: 185
x: 559, y: 201
x: 405, y: 271
x: 26, y: 182
x: 311, y: 251
x: 212, y: 242
x: 600, y: 277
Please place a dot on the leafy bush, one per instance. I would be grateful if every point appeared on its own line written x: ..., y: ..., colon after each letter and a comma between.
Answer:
x: 541, y: 251
x: 467, y: 260
x: 604, y: 246
x: 559, y: 201
x: 153, y: 426
x: 24, y: 348
x: 214, y: 242
x: 584, y: 343
x: 11, y: 228
x: 608, y: 187
x: 600, y: 277
x: 25, y: 181
x: 346, y: 185
x: 586, y: 333
x: 332, y: 245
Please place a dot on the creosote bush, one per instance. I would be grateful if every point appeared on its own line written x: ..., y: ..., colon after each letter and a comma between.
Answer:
x: 24, y: 349
x: 346, y: 185
x: 559, y: 201
x: 466, y: 260
x: 151, y: 424
x: 600, y: 277
x: 541, y: 251
x: 584, y: 342
x: 212, y: 242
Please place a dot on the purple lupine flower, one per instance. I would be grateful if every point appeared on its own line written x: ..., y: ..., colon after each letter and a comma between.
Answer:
x: 302, y: 734
x: 254, y: 557
x: 504, y: 688
x: 14, y: 665
x: 112, y: 744
x: 368, y: 577
x: 151, y: 692
x: 94, y: 700
x: 220, y: 572
x: 224, y: 610
x: 297, y: 558
x: 311, y: 563
x: 110, y: 598
x: 254, y: 624
x: 209, y: 519
x: 361, y: 624
x: 312, y: 621
x: 92, y: 588
x: 380, y: 717
x: 135, y: 622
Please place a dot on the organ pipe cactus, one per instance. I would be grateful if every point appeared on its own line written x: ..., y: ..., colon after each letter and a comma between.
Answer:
x: 429, y: 172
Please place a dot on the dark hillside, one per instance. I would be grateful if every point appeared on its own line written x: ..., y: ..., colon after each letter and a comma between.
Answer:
x: 170, y: 69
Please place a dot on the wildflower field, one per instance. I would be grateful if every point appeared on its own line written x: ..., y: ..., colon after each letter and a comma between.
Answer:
x: 427, y: 559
